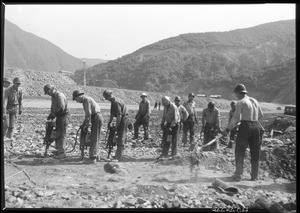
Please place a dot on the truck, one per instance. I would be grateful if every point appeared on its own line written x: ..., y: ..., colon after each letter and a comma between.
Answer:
x: 290, y: 110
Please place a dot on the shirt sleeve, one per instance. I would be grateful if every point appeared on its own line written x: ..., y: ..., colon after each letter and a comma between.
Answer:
x: 87, y: 110
x: 148, y: 108
x: 260, y: 113
x: 20, y: 100
x: 236, y: 118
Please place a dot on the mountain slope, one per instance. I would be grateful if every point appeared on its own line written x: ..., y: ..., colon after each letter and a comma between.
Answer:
x: 28, y: 51
x: 93, y: 61
x: 210, y: 62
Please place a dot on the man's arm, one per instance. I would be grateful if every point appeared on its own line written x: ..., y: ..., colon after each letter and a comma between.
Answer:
x: 88, y: 112
x: 218, y: 119
x: 236, y: 118
x: 20, y: 100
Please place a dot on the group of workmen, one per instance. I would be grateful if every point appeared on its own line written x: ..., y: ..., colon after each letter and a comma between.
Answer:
x: 243, y: 123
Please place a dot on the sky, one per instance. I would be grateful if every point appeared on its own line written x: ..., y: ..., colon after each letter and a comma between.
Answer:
x: 111, y: 31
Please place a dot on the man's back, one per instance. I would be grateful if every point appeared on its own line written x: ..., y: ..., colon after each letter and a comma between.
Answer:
x: 250, y: 109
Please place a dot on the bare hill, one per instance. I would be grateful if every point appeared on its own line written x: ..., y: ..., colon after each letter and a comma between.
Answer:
x: 210, y: 63
x: 28, y: 51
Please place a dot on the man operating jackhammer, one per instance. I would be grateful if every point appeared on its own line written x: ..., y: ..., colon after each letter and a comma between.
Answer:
x: 59, y: 110
x: 93, y: 118
x: 119, y: 110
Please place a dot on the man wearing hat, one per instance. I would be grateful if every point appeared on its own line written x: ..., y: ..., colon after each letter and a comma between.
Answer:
x: 119, y: 110
x: 93, y: 118
x: 189, y: 123
x: 210, y: 125
x: 234, y: 131
x: 142, y: 117
x: 6, y: 84
x: 248, y: 112
x: 13, y: 98
x: 169, y: 124
x: 182, y: 111
x: 59, y: 110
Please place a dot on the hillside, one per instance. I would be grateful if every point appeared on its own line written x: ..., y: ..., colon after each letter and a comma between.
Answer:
x: 93, y: 61
x: 34, y: 81
x: 28, y: 51
x: 210, y: 63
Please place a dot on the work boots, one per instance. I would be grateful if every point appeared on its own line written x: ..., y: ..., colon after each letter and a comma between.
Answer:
x: 119, y: 151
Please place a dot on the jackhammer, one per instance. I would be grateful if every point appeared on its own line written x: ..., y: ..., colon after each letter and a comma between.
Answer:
x: 84, y: 141
x: 50, y: 134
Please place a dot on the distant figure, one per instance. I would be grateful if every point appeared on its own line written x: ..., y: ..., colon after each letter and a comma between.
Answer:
x: 155, y: 105
x: 234, y: 131
x: 210, y: 125
x: 59, y: 110
x: 142, y: 118
x: 159, y: 105
x: 119, y: 110
x: 93, y: 118
x: 6, y: 84
x: 248, y: 112
x: 13, y: 97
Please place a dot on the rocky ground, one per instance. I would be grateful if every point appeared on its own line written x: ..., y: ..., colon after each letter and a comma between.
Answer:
x: 35, y: 181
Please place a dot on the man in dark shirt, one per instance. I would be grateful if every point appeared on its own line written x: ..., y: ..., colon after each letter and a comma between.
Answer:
x: 142, y: 117
x: 119, y: 110
x: 13, y: 98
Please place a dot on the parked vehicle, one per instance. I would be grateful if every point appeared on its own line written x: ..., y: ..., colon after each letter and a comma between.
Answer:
x: 290, y: 110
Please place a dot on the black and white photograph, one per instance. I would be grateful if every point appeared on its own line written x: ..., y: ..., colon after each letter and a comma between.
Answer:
x: 149, y: 106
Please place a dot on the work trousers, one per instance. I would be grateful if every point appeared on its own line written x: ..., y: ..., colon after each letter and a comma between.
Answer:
x: 233, y: 133
x: 166, y: 144
x: 142, y: 120
x: 10, y: 123
x: 4, y: 125
x: 122, y: 136
x: 248, y: 134
x: 61, y: 132
x: 96, y: 121
x: 188, y: 126
x: 210, y: 132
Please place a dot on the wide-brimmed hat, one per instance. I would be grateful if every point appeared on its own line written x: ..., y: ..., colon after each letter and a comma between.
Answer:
x: 165, y: 99
x: 17, y: 80
x: 192, y: 94
x: 6, y: 79
x: 107, y: 93
x: 240, y: 88
x: 77, y: 93
x: 143, y: 95
x: 48, y: 87
x: 177, y: 98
